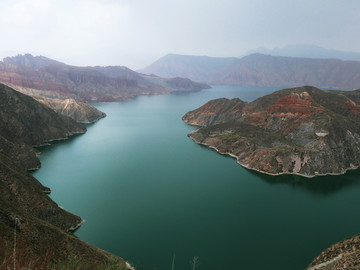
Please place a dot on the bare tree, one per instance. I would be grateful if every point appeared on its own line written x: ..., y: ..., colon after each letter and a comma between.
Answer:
x: 173, y: 263
x: 195, y: 262
x: 14, y: 252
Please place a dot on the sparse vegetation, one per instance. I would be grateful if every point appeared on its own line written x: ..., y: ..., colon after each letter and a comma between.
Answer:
x: 228, y: 136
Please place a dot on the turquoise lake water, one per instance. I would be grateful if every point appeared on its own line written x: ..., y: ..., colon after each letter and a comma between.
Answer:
x: 147, y: 192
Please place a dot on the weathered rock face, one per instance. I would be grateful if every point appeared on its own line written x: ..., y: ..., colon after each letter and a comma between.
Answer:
x: 342, y: 255
x: 79, y: 111
x: 52, y: 78
x: 215, y: 112
x: 303, y: 131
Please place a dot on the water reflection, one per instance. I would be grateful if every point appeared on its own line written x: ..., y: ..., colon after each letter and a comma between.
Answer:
x: 321, y: 185
x: 51, y: 146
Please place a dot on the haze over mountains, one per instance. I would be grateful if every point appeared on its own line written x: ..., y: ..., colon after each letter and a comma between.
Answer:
x: 262, y: 70
x: 42, y: 76
x: 307, y: 51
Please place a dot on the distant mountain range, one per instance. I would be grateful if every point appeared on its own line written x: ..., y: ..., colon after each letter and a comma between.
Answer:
x: 260, y: 70
x: 307, y: 51
x: 49, y: 78
x: 198, y: 68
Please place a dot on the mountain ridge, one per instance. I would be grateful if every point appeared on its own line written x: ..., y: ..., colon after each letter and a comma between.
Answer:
x: 307, y: 51
x: 52, y: 78
x: 198, y: 68
x: 26, y: 123
x: 264, y: 70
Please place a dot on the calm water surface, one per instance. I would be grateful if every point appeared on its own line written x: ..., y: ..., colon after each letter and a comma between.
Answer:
x: 147, y: 192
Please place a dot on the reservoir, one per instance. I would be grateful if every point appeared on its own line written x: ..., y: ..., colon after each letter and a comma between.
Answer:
x: 148, y: 192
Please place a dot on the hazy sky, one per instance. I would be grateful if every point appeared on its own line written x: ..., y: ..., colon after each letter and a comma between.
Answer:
x: 137, y: 32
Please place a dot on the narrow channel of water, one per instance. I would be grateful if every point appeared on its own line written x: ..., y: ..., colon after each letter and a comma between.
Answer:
x: 147, y: 192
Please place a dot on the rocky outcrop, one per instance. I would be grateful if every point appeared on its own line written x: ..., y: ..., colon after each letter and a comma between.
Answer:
x: 34, y: 231
x: 54, y: 79
x: 304, y: 131
x: 342, y: 255
x: 79, y: 111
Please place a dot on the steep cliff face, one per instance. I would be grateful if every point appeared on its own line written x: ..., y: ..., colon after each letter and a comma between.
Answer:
x: 303, y: 131
x: 34, y: 231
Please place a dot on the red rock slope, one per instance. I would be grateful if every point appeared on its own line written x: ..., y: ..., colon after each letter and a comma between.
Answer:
x: 304, y: 131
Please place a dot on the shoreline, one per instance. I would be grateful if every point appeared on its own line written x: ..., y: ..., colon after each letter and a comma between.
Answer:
x: 95, y: 120
x: 272, y: 174
x: 73, y: 228
x: 47, y: 142
x: 47, y: 190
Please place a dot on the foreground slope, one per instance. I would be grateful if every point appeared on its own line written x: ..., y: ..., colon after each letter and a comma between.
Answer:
x: 33, y: 229
x: 304, y: 131
x: 40, y: 229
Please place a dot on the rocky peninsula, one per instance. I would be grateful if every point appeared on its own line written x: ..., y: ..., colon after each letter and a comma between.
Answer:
x: 304, y: 131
